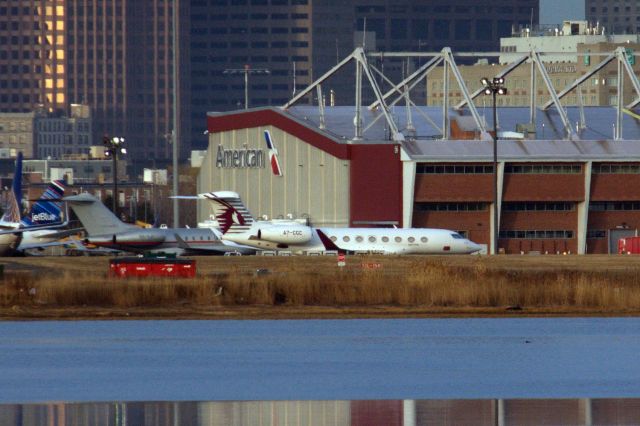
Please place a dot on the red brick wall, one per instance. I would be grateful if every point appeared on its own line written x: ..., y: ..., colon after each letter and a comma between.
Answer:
x: 475, y: 223
x: 543, y: 187
x: 515, y: 246
x: 615, y: 187
x: 453, y: 187
x: 376, y: 183
x: 376, y: 413
x: 524, y: 220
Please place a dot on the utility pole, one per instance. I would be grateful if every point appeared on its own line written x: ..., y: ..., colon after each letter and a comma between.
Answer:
x: 246, y: 71
x: 175, y: 151
x: 495, y: 87
x: 114, y: 146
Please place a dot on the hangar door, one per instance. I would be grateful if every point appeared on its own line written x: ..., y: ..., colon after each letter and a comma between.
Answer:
x: 616, y: 234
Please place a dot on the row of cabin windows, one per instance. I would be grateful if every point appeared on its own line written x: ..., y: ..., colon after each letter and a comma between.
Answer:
x: 536, y: 234
x: 384, y: 239
x: 201, y: 238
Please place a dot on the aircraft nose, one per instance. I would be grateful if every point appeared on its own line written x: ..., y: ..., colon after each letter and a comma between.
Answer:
x: 473, y: 247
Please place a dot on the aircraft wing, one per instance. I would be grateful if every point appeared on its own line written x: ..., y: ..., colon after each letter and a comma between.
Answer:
x: 62, y: 234
x: 220, y: 248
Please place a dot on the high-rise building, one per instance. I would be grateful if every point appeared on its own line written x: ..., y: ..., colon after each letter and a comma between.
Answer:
x: 113, y: 55
x: 33, y: 57
x: 617, y: 17
x: 283, y: 45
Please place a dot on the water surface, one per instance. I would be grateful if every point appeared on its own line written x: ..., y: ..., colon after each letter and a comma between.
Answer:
x: 319, y: 360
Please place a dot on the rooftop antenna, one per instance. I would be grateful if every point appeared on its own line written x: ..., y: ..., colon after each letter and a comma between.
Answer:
x: 294, y: 78
x: 364, y: 34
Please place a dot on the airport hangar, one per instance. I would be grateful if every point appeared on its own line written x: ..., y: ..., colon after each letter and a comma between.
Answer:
x: 556, y: 195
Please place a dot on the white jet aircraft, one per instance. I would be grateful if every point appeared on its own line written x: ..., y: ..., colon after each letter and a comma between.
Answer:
x: 237, y: 225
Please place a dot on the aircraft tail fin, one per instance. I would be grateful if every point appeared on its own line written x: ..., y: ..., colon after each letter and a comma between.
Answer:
x: 230, y: 211
x: 14, y: 201
x: 48, y: 209
x: 95, y: 217
x: 273, y: 155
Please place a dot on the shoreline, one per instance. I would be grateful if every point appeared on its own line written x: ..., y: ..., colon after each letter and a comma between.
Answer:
x: 291, y: 313
x: 253, y: 288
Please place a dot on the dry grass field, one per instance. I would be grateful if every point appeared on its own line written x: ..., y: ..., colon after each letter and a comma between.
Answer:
x: 315, y: 287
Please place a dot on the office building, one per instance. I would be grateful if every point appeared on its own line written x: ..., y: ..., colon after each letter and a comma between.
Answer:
x: 617, y: 17
x: 284, y: 45
x: 114, y: 56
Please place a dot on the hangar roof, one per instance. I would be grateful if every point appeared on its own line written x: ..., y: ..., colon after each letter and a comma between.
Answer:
x: 339, y: 121
x: 523, y: 150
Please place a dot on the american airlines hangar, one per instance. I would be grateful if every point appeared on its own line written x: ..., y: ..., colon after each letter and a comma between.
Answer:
x: 568, y: 178
x: 576, y: 196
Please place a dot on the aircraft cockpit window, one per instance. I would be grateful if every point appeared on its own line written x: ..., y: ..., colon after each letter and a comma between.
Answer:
x: 334, y: 238
x: 457, y: 236
x: 372, y: 239
x: 346, y: 239
x: 398, y: 239
x: 359, y: 239
x: 385, y: 239
x: 411, y: 239
x: 424, y: 239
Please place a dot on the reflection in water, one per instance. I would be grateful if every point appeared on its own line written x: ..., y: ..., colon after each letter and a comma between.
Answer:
x: 329, y: 413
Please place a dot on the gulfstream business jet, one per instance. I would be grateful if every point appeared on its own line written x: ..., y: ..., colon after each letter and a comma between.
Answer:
x: 237, y: 225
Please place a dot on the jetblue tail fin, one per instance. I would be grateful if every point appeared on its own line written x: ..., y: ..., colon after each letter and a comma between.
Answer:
x: 48, y: 209
x: 230, y: 212
x: 14, y: 202
x: 96, y: 218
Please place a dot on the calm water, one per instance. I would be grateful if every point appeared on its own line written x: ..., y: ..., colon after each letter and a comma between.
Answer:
x: 84, y: 361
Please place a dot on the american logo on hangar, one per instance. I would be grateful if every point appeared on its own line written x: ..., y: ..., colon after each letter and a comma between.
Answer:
x: 249, y: 158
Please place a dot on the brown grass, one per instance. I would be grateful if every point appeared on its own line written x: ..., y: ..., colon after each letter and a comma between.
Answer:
x: 586, y: 284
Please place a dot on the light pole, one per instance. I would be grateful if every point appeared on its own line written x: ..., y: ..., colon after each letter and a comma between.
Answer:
x: 246, y: 71
x: 495, y: 87
x: 114, y: 146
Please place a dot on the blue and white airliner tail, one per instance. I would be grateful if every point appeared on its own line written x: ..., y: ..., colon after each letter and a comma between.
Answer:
x: 48, y: 209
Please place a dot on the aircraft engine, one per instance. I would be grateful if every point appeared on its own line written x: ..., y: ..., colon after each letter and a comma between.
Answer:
x: 291, y: 234
x: 143, y: 236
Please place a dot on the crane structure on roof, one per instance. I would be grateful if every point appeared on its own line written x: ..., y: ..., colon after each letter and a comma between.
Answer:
x: 397, y: 92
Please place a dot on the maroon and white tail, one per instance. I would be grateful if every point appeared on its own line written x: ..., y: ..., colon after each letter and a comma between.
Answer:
x: 231, y: 214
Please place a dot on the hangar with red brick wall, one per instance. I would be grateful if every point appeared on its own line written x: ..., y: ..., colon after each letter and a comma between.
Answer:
x: 555, y: 195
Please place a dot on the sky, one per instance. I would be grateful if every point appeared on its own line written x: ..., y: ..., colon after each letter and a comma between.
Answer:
x: 556, y: 11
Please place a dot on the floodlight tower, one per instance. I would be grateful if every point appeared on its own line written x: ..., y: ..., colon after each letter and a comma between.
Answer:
x: 114, y: 146
x: 495, y: 87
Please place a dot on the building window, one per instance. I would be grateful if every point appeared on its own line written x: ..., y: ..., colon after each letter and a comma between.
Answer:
x: 600, y: 206
x: 458, y: 169
x: 543, y: 169
x: 596, y: 233
x: 616, y: 168
x: 537, y: 206
x: 450, y: 207
x: 535, y: 234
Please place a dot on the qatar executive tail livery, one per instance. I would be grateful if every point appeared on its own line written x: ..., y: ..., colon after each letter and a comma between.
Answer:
x: 237, y: 225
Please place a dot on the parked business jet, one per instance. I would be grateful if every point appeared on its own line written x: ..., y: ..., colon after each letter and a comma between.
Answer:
x: 40, y: 224
x: 104, y: 229
x: 237, y: 225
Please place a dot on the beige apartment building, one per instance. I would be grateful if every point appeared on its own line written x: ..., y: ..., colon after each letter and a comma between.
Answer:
x: 580, y: 53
